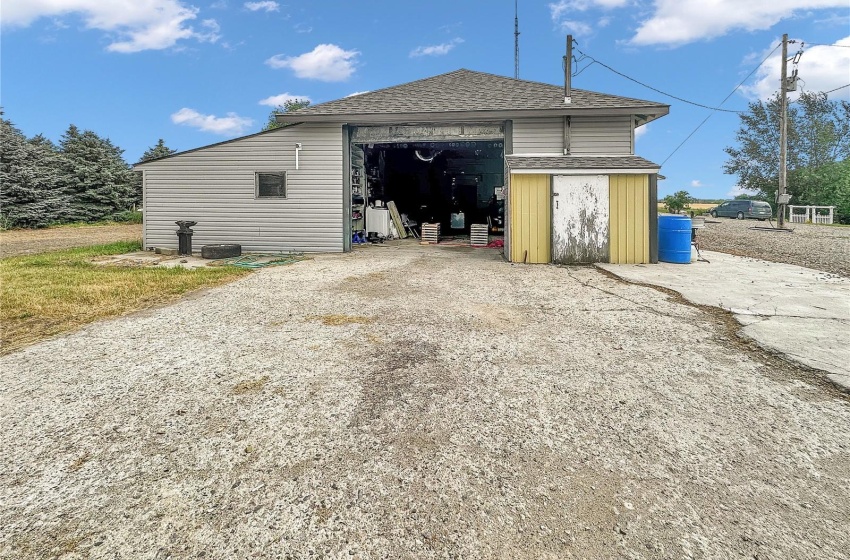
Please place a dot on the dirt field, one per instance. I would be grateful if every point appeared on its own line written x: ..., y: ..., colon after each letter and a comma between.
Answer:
x: 819, y: 247
x: 426, y: 403
x: 29, y: 241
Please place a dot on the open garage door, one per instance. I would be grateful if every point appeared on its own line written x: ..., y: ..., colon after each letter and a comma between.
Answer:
x: 446, y: 174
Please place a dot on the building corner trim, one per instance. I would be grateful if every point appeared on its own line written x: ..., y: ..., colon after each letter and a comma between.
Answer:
x: 653, y: 218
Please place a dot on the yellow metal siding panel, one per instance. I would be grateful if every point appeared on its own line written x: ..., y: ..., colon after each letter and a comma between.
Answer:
x: 531, y: 218
x: 629, y: 227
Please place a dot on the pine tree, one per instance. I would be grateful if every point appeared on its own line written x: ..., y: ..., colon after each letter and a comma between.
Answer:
x: 157, y: 151
x: 30, y: 181
x: 96, y: 178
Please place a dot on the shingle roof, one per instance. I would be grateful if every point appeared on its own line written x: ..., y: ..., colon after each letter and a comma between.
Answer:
x: 579, y: 162
x: 466, y: 90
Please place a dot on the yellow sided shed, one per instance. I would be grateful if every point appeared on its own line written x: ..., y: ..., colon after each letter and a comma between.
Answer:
x: 576, y: 210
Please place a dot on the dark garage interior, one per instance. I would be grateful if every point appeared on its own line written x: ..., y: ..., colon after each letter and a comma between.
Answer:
x: 453, y: 183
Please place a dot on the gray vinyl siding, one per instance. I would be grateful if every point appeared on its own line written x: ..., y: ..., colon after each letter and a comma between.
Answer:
x: 601, y: 135
x: 215, y: 187
x: 538, y: 136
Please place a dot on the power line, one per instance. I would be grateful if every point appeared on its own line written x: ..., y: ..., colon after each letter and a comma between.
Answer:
x: 836, y: 89
x: 823, y: 92
x: 827, y: 45
x: 721, y: 103
x: 649, y: 86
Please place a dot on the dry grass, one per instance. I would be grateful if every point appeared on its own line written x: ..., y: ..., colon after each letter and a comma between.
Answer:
x: 339, y: 320
x: 79, y: 462
x: 692, y: 206
x: 251, y: 386
x: 51, y: 293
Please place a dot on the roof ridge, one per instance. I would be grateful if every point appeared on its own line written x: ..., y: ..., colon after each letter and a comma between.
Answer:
x: 381, y: 89
x: 465, y: 90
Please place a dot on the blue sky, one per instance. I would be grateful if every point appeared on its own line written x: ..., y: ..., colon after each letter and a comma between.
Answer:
x: 196, y: 73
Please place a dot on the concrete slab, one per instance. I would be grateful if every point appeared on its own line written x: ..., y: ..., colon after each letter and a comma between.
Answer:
x: 802, y: 313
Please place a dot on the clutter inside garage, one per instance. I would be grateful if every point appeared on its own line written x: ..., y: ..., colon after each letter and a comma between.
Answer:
x: 439, y: 191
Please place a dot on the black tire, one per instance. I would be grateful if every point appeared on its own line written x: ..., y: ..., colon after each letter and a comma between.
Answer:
x: 221, y: 251
x: 740, y: 215
x: 713, y: 214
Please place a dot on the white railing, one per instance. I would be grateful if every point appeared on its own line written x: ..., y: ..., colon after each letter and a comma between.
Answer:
x: 812, y: 214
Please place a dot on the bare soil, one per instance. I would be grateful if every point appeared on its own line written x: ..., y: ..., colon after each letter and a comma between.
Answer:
x: 820, y: 247
x: 30, y: 241
x: 420, y: 403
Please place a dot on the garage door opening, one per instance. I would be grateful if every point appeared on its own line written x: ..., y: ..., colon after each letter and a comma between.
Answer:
x: 456, y: 184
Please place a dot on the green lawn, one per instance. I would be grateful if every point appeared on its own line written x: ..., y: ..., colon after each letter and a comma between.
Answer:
x: 55, y: 292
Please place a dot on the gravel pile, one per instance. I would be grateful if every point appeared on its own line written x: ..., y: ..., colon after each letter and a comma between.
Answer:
x: 427, y: 403
x: 819, y: 247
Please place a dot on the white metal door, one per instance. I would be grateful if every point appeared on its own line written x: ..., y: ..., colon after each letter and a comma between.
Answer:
x: 580, y: 211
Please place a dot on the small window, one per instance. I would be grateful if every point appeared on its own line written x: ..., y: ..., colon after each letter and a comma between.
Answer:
x: 271, y: 185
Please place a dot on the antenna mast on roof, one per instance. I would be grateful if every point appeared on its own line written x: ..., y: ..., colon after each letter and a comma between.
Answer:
x: 516, y: 39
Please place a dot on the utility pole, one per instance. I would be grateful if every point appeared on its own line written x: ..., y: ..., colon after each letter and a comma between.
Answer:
x: 568, y: 71
x: 516, y: 39
x: 783, y: 135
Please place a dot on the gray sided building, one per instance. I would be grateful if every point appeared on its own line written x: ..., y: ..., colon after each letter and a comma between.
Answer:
x: 573, y: 189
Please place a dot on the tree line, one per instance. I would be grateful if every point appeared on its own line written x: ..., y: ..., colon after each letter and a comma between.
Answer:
x: 82, y: 179
x: 818, y: 152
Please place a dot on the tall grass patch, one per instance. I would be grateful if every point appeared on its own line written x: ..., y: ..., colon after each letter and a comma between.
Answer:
x: 51, y: 293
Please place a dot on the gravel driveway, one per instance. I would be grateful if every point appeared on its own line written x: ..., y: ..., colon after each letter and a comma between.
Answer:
x: 419, y: 403
x: 825, y: 248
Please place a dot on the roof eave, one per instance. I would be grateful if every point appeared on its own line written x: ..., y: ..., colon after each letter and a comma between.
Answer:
x: 651, y: 112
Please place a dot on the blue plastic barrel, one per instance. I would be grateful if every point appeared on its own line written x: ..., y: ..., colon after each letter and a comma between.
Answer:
x: 674, y: 239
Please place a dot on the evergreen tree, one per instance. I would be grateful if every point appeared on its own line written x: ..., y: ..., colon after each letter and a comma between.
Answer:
x: 96, y: 178
x: 157, y: 151
x: 30, y: 181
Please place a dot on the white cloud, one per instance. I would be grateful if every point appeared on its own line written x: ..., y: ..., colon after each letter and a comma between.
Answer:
x: 328, y: 63
x: 562, y: 7
x: 738, y: 190
x: 575, y: 27
x: 278, y: 100
x: 230, y: 125
x: 136, y: 25
x: 436, y: 50
x: 675, y: 22
x: 219, y: 5
x: 641, y: 131
x: 696, y: 183
x: 358, y: 93
x: 266, y: 5
x: 821, y: 68
x: 302, y: 28
x: 563, y: 13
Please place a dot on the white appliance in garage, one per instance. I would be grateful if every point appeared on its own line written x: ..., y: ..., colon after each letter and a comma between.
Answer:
x: 378, y: 220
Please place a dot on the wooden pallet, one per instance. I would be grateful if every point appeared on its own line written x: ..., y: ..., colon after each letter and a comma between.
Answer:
x: 430, y: 233
x: 478, y: 236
